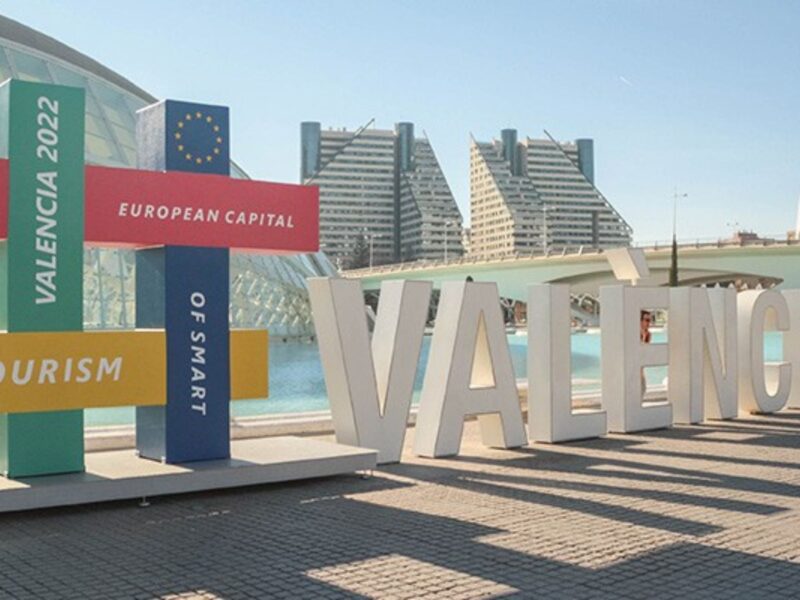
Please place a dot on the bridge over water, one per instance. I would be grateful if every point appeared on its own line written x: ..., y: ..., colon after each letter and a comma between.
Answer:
x: 768, y: 262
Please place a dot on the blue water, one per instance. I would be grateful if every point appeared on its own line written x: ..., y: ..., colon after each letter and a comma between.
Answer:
x: 297, y: 384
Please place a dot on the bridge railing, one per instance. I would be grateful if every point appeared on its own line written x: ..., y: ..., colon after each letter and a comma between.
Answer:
x: 652, y: 246
x: 716, y: 242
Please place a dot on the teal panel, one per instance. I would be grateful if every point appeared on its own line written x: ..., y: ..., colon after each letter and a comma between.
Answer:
x: 44, y: 256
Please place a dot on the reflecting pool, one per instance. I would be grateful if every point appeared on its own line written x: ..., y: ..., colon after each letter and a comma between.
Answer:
x: 297, y: 384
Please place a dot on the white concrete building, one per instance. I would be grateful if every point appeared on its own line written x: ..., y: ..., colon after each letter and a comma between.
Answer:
x: 538, y: 195
x: 385, y: 185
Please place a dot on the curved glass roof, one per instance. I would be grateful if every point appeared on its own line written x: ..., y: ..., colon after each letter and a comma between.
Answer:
x: 266, y: 291
x: 110, y: 105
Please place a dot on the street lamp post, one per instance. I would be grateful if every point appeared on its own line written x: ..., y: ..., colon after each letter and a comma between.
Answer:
x: 675, y: 197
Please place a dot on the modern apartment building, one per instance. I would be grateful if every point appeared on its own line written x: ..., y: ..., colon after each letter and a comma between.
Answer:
x: 538, y: 195
x: 382, y: 185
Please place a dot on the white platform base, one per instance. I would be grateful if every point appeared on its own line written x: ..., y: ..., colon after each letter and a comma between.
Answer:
x: 120, y: 475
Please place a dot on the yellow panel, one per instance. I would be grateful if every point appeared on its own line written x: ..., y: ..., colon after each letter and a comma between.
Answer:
x: 68, y: 370
x: 249, y: 356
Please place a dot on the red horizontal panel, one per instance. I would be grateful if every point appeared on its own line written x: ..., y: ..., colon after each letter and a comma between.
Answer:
x: 127, y: 207
x: 141, y: 208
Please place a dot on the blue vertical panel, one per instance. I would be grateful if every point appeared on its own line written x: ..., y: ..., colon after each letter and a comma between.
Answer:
x: 198, y: 381
x: 186, y: 291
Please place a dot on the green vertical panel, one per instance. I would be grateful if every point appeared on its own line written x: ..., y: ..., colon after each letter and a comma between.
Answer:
x: 3, y: 322
x: 4, y: 121
x: 44, y: 257
x: 3, y: 285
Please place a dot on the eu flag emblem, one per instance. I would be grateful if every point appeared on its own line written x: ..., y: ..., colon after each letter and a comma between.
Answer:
x: 197, y: 138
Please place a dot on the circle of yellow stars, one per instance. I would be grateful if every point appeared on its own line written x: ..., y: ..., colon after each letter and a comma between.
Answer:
x: 198, y: 159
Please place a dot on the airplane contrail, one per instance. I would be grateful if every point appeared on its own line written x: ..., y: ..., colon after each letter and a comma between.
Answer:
x: 625, y: 81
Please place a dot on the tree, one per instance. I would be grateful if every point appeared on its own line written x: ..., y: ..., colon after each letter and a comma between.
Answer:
x: 673, y: 266
x: 359, y: 257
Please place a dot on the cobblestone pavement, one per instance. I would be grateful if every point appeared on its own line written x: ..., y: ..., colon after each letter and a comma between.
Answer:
x: 709, y: 511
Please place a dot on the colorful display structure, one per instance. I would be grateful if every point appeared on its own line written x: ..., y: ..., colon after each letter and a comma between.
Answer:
x: 185, y: 291
x: 184, y: 215
x: 41, y: 288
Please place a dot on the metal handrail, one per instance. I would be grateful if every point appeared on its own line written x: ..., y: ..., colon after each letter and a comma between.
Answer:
x: 656, y: 246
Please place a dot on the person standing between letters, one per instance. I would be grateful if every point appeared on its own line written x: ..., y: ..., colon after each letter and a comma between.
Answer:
x: 645, y: 336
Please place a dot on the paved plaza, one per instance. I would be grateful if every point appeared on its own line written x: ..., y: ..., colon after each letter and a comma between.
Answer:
x: 710, y: 511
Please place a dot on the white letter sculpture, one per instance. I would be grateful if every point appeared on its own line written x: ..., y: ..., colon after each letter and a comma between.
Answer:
x: 754, y: 397
x: 469, y: 373
x: 628, y: 264
x: 550, y: 414
x: 370, y: 389
x: 791, y: 345
x: 703, y: 380
x: 623, y: 357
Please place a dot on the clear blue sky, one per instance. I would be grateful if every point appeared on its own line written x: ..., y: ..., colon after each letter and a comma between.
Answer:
x: 702, y: 95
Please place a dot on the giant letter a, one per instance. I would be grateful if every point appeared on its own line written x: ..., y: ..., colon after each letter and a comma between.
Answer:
x: 469, y: 373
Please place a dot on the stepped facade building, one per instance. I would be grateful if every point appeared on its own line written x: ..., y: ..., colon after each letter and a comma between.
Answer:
x: 382, y: 186
x: 538, y: 195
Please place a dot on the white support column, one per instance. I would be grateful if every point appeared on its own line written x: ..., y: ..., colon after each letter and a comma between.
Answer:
x: 624, y: 357
x: 469, y: 372
x: 755, y: 395
x: 703, y: 359
x: 370, y: 386
x: 550, y: 414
